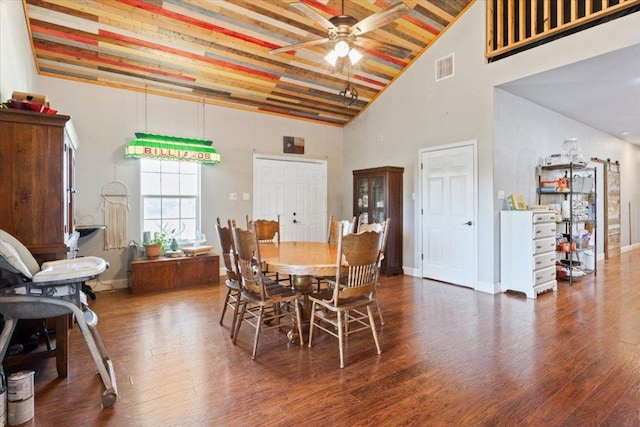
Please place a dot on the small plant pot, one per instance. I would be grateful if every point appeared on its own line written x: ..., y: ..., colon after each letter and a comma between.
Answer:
x: 153, y: 251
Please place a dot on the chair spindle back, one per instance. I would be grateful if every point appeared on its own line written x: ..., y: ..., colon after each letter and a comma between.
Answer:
x: 227, y: 246
x: 249, y: 262
x: 357, y: 264
x: 266, y: 230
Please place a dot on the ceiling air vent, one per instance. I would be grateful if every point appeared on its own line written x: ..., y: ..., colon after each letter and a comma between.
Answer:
x: 444, y: 67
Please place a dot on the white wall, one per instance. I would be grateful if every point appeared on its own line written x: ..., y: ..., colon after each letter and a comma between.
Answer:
x: 415, y: 112
x: 17, y: 68
x: 106, y: 120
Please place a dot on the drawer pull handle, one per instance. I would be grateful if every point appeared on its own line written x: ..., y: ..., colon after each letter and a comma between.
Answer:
x: 538, y: 263
x: 538, y: 247
x: 538, y: 277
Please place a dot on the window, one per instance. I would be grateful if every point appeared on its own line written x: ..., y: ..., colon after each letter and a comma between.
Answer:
x: 170, y: 193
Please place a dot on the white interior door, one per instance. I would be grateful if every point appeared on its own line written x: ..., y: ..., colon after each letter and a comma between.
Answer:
x: 295, y: 190
x: 449, y: 214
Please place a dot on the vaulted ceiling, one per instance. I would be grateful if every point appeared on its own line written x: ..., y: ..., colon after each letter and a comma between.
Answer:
x: 218, y: 52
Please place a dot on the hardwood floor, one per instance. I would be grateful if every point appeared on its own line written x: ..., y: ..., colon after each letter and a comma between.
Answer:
x: 450, y: 356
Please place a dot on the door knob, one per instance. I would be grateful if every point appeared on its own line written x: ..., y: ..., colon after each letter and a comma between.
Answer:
x: 295, y: 221
x: 468, y: 223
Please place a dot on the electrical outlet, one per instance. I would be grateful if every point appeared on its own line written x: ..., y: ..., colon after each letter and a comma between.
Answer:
x: 501, y: 195
x: 245, y: 196
x: 233, y: 196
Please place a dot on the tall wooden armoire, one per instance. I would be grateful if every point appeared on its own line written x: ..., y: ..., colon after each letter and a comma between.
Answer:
x: 37, y: 190
x: 37, y: 182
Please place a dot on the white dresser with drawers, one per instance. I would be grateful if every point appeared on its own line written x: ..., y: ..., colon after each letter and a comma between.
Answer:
x: 528, y: 252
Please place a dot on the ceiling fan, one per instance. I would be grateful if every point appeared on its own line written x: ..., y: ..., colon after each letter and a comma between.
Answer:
x: 345, y: 31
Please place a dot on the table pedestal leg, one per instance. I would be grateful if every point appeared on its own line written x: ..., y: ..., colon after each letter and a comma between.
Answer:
x: 304, y: 285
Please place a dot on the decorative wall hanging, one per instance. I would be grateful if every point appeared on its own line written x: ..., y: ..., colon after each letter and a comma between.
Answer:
x: 115, y: 204
x: 293, y: 144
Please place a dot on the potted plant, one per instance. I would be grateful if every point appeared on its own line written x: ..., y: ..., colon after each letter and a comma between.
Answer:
x: 155, y: 245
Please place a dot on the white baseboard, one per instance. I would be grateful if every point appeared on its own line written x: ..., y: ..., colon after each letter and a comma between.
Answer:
x: 488, y: 288
x: 628, y: 248
x: 413, y: 272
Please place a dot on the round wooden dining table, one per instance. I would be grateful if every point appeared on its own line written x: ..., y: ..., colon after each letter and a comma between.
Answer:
x: 301, y: 260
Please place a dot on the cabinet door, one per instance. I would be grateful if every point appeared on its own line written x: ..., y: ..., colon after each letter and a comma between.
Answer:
x: 152, y: 276
x: 69, y: 185
x: 362, y: 198
x: 378, y: 207
x: 196, y: 271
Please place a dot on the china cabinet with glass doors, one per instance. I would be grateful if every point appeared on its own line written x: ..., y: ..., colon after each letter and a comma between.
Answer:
x: 377, y: 195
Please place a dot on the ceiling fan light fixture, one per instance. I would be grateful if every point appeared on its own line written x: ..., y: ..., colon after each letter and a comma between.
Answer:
x: 341, y: 48
x: 331, y: 58
x: 354, y: 56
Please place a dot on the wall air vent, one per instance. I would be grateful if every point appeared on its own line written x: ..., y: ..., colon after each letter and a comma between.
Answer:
x: 444, y: 67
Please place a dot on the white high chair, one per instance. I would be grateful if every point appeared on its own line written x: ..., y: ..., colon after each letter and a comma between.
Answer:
x: 30, y: 291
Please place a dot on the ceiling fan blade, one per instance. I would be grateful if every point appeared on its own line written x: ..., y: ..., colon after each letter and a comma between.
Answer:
x: 380, y: 18
x: 311, y: 13
x: 299, y: 45
x: 383, y: 47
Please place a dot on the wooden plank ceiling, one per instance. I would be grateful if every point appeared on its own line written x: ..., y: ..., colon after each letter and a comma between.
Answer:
x: 217, y: 51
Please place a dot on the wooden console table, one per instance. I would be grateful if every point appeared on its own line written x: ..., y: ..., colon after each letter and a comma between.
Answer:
x: 173, y: 273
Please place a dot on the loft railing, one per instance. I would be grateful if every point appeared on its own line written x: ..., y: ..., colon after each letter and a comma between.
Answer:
x: 514, y: 25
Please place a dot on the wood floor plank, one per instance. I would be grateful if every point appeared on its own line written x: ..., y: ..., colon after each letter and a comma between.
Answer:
x: 606, y: 387
x: 450, y: 356
x: 627, y: 411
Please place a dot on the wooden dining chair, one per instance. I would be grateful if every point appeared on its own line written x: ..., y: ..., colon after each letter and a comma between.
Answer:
x: 227, y: 248
x: 334, y: 230
x: 268, y: 231
x: 261, y: 306
x: 340, y: 311
x: 334, y: 227
x: 378, y: 228
x: 360, y: 221
x: 375, y: 226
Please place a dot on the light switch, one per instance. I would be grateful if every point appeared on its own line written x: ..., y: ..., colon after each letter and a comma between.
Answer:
x: 245, y: 196
x: 233, y: 196
x: 500, y: 195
